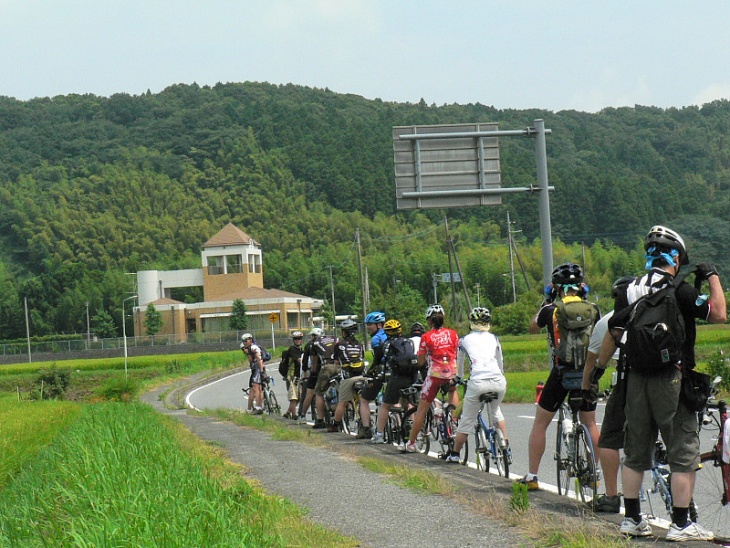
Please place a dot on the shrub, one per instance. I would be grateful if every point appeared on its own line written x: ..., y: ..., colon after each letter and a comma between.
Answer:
x: 119, y: 389
x: 51, y: 383
x: 718, y: 367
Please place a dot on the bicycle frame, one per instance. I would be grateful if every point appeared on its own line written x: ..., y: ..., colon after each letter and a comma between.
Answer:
x: 574, y: 454
x: 487, y: 439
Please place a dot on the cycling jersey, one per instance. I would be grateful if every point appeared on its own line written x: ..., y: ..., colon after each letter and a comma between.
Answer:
x: 350, y: 353
x: 440, y: 348
x: 485, y: 355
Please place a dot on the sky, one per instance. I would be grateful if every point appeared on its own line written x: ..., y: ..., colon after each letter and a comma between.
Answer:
x: 511, y: 54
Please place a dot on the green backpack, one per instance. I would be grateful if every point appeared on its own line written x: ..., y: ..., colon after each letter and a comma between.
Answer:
x: 573, y: 321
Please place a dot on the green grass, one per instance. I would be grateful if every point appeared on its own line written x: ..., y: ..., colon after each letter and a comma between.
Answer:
x: 26, y: 428
x: 123, y: 475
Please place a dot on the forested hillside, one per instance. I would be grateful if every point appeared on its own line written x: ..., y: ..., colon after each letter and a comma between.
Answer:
x: 94, y: 188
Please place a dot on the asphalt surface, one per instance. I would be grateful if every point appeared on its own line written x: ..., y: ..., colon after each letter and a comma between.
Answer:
x: 340, y: 494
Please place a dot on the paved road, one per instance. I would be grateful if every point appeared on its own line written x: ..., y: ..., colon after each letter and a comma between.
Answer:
x: 226, y: 393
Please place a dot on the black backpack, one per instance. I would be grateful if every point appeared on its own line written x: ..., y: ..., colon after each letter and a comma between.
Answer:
x: 401, y: 355
x: 655, y: 331
x: 265, y: 354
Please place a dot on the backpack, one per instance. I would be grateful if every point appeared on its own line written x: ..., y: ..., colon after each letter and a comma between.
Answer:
x: 402, y: 355
x: 265, y: 354
x: 655, y: 331
x: 573, y: 321
x: 284, y: 364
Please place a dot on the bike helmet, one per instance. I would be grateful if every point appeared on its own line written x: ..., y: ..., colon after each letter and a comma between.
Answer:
x: 246, y: 337
x: 661, y: 239
x: 480, y: 315
x: 567, y: 274
x: 297, y: 335
x: 393, y: 327
x: 348, y: 327
x: 620, y: 284
x: 434, y: 309
x: 417, y: 329
x: 375, y: 317
x: 316, y: 332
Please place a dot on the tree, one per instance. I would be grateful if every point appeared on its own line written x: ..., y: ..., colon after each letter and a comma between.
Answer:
x: 239, y: 320
x: 152, y: 320
x: 103, y: 325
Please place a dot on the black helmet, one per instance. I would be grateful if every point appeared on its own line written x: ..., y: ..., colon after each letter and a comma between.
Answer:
x: 417, y: 329
x: 664, y: 238
x: 620, y: 284
x: 480, y: 315
x: 567, y: 274
x: 348, y: 327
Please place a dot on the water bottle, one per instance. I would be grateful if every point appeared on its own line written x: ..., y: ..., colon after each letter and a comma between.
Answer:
x: 567, y: 425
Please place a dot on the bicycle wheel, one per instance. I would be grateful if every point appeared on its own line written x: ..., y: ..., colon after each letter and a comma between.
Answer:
x: 561, y: 457
x: 464, y: 454
x: 481, y: 448
x: 392, y: 432
x: 501, y: 461
x: 585, y: 466
x: 711, y: 494
x: 274, y: 407
x: 349, y: 419
x: 423, y: 439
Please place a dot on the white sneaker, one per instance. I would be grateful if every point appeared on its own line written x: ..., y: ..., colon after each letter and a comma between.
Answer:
x: 410, y: 448
x: 691, y: 531
x: 378, y: 438
x: 453, y: 457
x: 631, y: 528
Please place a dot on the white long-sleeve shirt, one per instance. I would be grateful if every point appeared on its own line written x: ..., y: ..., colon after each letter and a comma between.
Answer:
x: 485, y: 354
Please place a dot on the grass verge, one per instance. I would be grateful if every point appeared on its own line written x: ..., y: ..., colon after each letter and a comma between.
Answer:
x: 124, y: 476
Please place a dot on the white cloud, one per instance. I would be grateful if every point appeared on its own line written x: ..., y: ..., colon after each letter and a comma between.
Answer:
x: 712, y: 93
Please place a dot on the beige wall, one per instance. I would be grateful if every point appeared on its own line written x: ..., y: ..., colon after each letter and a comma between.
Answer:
x: 227, y: 287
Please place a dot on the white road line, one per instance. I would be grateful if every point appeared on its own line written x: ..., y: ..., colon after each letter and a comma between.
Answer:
x: 187, y: 398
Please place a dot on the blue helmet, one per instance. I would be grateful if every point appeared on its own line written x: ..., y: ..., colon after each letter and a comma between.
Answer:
x: 375, y: 317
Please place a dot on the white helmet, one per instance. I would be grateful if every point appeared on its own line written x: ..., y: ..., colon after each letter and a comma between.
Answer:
x: 316, y: 332
x: 434, y: 309
x: 246, y: 337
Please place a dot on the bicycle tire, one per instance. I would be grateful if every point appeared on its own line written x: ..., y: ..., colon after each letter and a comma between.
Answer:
x: 712, y: 485
x: 423, y: 438
x: 464, y: 454
x: 501, y: 461
x: 349, y: 419
x: 274, y: 407
x: 561, y: 457
x: 585, y: 466
x: 481, y: 447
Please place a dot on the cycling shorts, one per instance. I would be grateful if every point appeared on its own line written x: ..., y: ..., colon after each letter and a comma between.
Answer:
x: 256, y: 375
x: 431, y: 387
x: 553, y: 394
x: 394, y: 386
x: 325, y: 374
x: 292, y: 388
x: 614, y: 418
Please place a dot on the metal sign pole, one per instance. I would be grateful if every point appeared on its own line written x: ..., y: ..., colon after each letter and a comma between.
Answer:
x: 544, y: 202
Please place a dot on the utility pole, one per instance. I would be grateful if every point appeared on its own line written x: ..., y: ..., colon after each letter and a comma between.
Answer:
x: 334, y: 314
x: 511, y: 260
x: 27, y: 329
x: 88, y: 328
x: 362, y: 275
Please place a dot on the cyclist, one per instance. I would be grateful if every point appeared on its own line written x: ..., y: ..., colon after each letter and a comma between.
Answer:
x: 611, y: 439
x: 374, y: 326
x: 324, y: 348
x: 438, y: 349
x: 350, y: 354
x: 399, y: 355
x: 487, y: 375
x: 258, y: 371
x: 652, y: 398
x: 310, y: 367
x: 567, y: 280
x: 290, y: 367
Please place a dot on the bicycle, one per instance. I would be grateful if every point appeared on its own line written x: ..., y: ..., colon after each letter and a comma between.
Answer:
x: 489, y: 441
x: 351, y: 421
x: 442, y: 425
x: 662, y: 484
x: 400, y: 420
x: 574, y: 454
x: 712, y: 483
x: 268, y: 400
